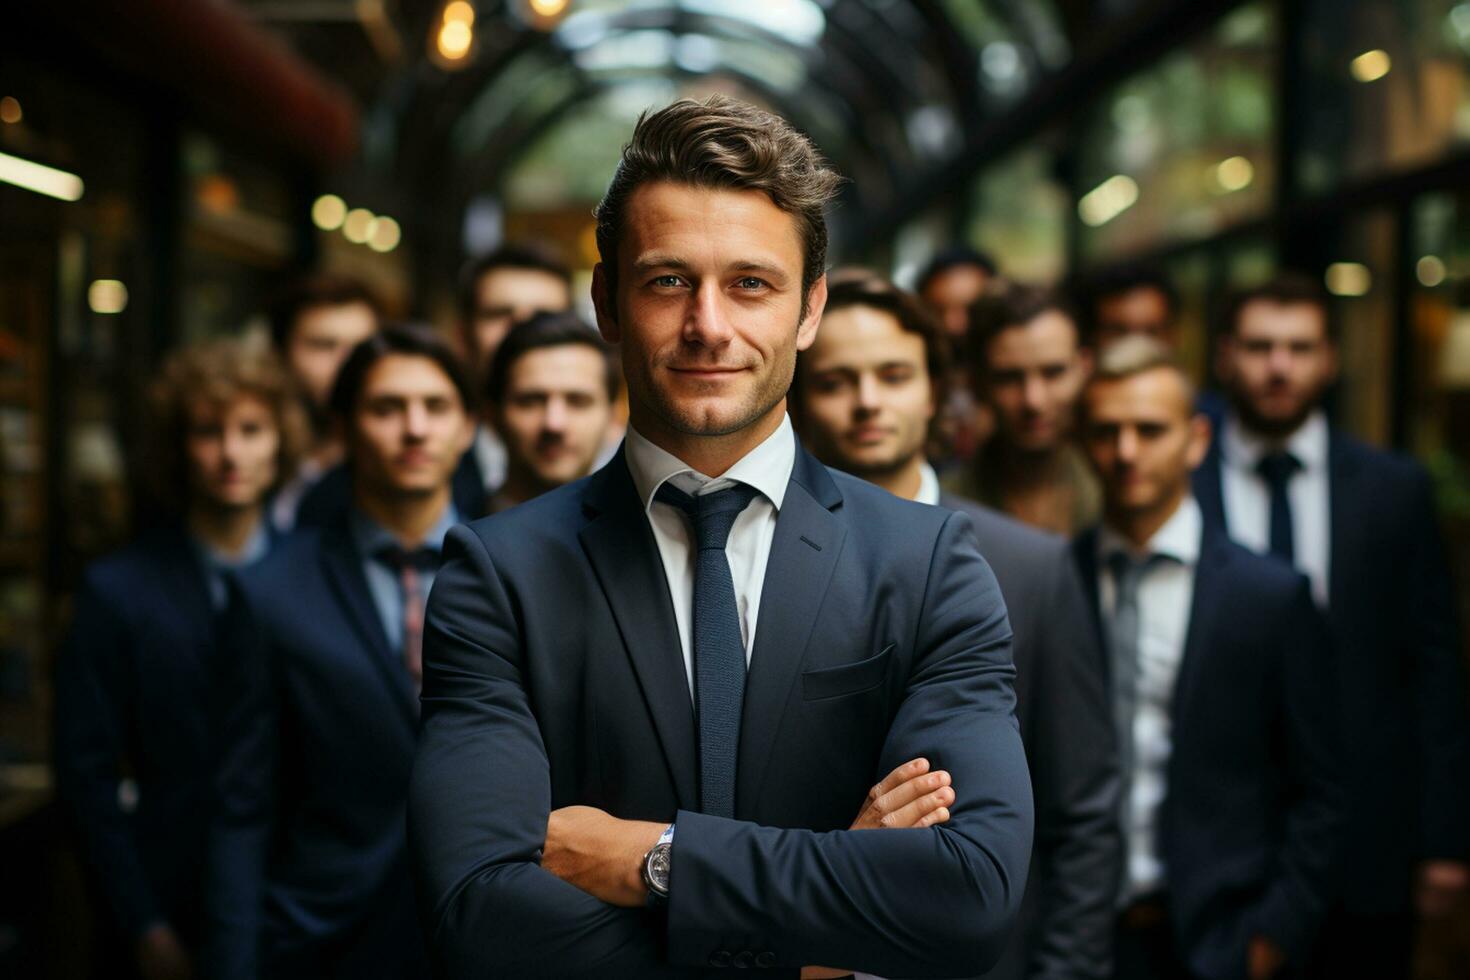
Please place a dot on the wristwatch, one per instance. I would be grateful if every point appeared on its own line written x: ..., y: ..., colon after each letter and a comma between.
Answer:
x: 656, y: 865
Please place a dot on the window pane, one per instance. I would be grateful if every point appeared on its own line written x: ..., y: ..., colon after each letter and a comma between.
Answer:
x: 1182, y: 150
x: 1386, y: 86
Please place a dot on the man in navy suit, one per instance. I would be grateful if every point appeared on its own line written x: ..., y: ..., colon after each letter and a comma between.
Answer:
x: 319, y: 699
x: 133, y: 678
x: 1220, y: 673
x: 865, y: 398
x: 655, y: 699
x: 1360, y: 524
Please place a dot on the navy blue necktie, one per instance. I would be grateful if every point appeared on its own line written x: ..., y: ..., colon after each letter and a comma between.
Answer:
x: 1277, y: 470
x: 719, y: 652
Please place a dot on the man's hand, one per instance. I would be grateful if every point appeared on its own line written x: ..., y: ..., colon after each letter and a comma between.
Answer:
x: 1439, y: 885
x: 1264, y: 959
x: 909, y: 796
x: 161, y: 956
x: 599, y: 853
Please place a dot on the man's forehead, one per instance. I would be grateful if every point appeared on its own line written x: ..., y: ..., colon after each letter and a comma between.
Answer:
x: 1155, y: 395
x: 1269, y: 317
x: 407, y: 373
x: 683, y: 223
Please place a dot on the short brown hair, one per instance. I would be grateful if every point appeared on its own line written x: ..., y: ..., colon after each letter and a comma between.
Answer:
x: 1285, y: 289
x: 723, y: 143
x: 314, y: 292
x: 219, y: 372
x: 1138, y: 354
x: 1008, y: 305
x: 862, y: 287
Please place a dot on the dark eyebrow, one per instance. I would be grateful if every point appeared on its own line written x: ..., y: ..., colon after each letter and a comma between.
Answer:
x: 656, y: 260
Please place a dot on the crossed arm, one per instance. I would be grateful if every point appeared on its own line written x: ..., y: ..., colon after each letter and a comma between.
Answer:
x: 929, y: 900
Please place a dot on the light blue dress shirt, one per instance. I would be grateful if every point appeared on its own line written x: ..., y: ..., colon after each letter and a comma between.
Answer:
x: 383, y: 582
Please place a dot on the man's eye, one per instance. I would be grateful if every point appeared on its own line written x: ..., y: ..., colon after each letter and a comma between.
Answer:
x: 750, y: 282
x: 667, y: 282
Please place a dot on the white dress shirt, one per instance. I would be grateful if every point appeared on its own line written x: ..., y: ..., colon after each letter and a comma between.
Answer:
x: 767, y: 468
x: 1164, y: 596
x: 1247, y: 497
x: 490, y: 454
x: 928, y: 484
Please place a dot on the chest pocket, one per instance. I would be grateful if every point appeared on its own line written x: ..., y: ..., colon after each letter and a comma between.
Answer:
x: 837, y: 682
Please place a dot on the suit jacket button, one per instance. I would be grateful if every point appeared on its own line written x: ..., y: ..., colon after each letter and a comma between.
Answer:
x: 720, y: 958
x: 744, y: 960
x: 765, y: 960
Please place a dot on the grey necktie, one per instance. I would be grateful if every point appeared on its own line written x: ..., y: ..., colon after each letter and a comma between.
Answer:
x: 1123, y: 636
x: 719, y: 651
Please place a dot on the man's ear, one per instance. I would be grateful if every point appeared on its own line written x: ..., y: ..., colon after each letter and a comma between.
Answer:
x: 1200, y: 434
x: 605, y: 304
x: 816, y: 302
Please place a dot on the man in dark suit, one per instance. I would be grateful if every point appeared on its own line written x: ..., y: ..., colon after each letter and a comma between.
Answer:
x: 319, y: 699
x: 1220, y: 673
x: 132, y: 681
x: 1360, y: 524
x: 865, y: 399
x: 550, y: 393
x: 654, y: 699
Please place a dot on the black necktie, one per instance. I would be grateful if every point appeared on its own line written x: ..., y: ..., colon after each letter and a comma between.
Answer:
x: 719, y: 652
x: 1277, y: 470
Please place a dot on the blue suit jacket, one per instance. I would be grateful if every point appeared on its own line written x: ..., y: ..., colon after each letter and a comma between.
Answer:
x: 1402, y: 693
x: 317, y: 718
x: 553, y: 676
x: 132, y: 685
x: 1250, y: 827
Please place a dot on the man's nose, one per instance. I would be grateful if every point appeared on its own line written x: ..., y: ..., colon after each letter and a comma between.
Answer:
x: 1127, y: 445
x: 555, y: 419
x: 416, y: 421
x: 708, y: 322
x: 1033, y: 393
x: 867, y: 393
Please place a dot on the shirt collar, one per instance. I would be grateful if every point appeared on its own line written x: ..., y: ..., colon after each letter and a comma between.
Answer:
x: 928, y: 484
x: 255, y: 548
x: 767, y: 467
x: 1179, y: 538
x: 372, y: 537
x: 1309, y: 443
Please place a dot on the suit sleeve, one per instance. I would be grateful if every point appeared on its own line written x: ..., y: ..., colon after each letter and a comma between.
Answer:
x: 93, y: 711
x: 1078, y: 841
x: 1443, y: 733
x: 923, y: 902
x: 244, y: 697
x: 1310, y: 856
x: 479, y: 801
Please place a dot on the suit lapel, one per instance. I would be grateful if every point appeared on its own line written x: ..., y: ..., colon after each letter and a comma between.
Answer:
x: 804, y: 552
x: 1343, y: 473
x: 1207, y: 488
x: 620, y: 545
x: 1213, y: 557
x: 344, y: 573
x: 1084, y: 551
x: 185, y: 583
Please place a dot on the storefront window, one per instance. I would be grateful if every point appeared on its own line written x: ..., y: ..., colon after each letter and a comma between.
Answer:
x: 1183, y: 150
x: 1388, y: 86
x: 1019, y: 213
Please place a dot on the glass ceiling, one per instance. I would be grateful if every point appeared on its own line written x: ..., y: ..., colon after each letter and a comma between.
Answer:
x: 885, y: 87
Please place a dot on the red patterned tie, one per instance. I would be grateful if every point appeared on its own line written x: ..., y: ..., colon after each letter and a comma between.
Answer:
x: 413, y: 623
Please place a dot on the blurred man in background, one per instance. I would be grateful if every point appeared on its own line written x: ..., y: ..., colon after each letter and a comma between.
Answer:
x: 133, y: 679
x: 550, y: 391
x: 949, y: 285
x: 502, y: 289
x: 1359, y: 523
x: 308, y: 872
x: 314, y: 324
x: 864, y: 399
x: 1135, y: 301
x: 1221, y: 675
x: 1028, y: 366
